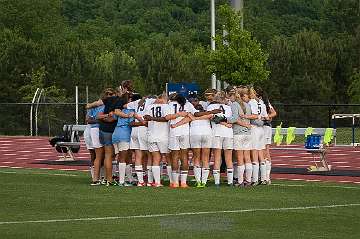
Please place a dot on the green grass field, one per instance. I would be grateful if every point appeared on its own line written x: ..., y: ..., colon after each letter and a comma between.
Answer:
x: 55, y: 204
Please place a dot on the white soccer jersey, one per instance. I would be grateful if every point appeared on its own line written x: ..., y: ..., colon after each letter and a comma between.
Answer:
x: 158, y: 131
x: 174, y: 108
x: 200, y: 127
x: 258, y: 107
x: 140, y: 109
x: 204, y: 104
x: 218, y: 129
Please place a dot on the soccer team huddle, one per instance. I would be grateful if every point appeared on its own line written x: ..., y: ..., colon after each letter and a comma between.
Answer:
x: 234, y: 124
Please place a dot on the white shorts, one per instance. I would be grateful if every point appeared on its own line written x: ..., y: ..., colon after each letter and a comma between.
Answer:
x: 162, y: 147
x: 222, y: 143
x: 201, y: 141
x: 257, y: 136
x: 179, y: 142
x: 95, y: 138
x: 267, y: 134
x: 121, y: 146
x: 87, y: 137
x: 139, y: 139
x: 243, y: 142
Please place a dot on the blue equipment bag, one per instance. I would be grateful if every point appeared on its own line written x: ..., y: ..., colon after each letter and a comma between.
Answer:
x: 313, y: 141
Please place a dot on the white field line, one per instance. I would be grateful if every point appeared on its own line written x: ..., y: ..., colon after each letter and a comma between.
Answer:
x: 38, y: 173
x: 181, y: 214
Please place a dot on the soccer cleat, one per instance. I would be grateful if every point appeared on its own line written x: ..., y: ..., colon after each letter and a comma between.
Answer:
x: 157, y: 185
x: 254, y: 183
x: 184, y: 185
x: 174, y: 185
x: 113, y: 183
x: 140, y: 184
x: 103, y: 181
x: 96, y: 183
x: 149, y: 184
x: 263, y: 183
x: 198, y: 184
x: 268, y: 182
x: 201, y: 185
x: 125, y: 185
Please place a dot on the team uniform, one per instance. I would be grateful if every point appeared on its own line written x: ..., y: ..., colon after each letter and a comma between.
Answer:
x: 258, y: 136
x: 242, y: 139
x: 222, y: 135
x: 200, y: 134
x: 158, y: 132
x: 268, y: 129
x: 139, y: 134
x: 122, y: 132
x: 222, y: 138
x: 121, y: 141
x: 201, y: 138
x: 179, y: 137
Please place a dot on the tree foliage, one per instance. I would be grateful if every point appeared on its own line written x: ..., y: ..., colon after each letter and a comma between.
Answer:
x: 238, y: 58
x: 306, y: 45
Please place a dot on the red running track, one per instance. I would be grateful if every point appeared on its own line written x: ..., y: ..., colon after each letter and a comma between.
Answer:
x: 29, y: 152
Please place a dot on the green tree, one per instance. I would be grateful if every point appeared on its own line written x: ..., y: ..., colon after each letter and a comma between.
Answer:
x: 238, y: 58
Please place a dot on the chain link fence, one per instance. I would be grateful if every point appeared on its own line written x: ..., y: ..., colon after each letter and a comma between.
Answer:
x: 48, y: 118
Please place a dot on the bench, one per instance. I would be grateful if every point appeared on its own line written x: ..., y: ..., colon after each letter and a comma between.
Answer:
x: 73, y: 130
x: 320, y: 151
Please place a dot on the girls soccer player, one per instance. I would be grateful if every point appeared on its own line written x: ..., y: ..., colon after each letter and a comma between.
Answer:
x: 222, y: 139
x: 179, y: 139
x: 139, y: 138
x: 158, y: 129
x: 267, y: 132
x: 121, y: 141
x: 257, y: 117
x: 93, y: 133
x: 242, y: 136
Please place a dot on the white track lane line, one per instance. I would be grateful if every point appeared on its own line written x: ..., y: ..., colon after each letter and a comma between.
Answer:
x: 181, y: 214
x: 319, y: 186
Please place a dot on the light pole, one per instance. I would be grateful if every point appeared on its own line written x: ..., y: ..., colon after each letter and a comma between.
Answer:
x: 238, y: 5
x: 212, y: 13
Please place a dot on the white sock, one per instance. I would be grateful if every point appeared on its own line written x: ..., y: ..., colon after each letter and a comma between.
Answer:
x: 156, y: 173
x: 240, y: 170
x: 150, y: 174
x: 268, y: 170
x: 204, y: 175
x: 255, y: 172
x: 197, y: 173
x: 169, y: 173
x: 128, y: 173
x: 263, y: 171
x: 122, y: 168
x: 175, y: 177
x: 236, y: 172
x: 114, y: 168
x: 92, y: 173
x: 230, y: 175
x: 248, y: 172
x: 183, y: 176
x: 139, y: 173
x: 216, y: 174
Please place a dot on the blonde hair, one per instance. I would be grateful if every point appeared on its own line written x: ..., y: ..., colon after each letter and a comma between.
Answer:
x: 220, y: 97
x: 252, y: 93
x: 241, y: 92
